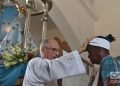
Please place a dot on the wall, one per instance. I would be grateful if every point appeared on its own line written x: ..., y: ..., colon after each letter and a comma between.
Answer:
x: 36, y: 29
x: 108, y: 12
x: 72, y: 18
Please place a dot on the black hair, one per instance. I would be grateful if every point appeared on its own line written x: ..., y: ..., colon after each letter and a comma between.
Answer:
x: 109, y: 38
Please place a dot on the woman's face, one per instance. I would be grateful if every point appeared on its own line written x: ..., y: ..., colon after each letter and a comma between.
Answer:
x: 94, y: 54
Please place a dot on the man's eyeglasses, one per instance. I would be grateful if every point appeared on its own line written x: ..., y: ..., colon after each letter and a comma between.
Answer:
x: 53, y: 49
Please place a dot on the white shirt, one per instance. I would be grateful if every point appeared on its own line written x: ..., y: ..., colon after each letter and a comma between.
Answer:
x: 39, y: 71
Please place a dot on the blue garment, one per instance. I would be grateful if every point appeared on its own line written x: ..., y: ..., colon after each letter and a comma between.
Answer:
x: 9, y: 76
x: 9, y: 16
x: 108, y: 67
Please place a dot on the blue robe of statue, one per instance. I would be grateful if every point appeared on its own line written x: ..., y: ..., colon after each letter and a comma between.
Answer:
x: 9, y: 15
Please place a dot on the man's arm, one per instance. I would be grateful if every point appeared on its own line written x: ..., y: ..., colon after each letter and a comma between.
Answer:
x: 68, y: 65
x: 84, y: 45
x: 47, y: 70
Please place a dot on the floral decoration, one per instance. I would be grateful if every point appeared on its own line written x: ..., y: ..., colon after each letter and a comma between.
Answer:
x: 15, y: 55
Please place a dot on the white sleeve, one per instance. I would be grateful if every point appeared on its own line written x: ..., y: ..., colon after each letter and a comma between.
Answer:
x: 64, y: 66
x: 67, y: 65
x: 43, y: 70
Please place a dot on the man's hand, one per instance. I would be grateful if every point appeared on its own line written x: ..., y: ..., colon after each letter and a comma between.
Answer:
x: 84, y: 45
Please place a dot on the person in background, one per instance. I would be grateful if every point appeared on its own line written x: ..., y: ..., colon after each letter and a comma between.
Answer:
x: 49, y: 67
x: 98, y: 50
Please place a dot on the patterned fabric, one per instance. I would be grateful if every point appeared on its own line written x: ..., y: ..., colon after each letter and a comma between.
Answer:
x: 7, y: 16
x: 10, y: 16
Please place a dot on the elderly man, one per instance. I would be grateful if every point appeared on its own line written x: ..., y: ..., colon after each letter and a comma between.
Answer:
x: 48, y: 67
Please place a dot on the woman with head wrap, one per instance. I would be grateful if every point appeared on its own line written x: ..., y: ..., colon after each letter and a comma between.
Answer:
x: 98, y: 50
